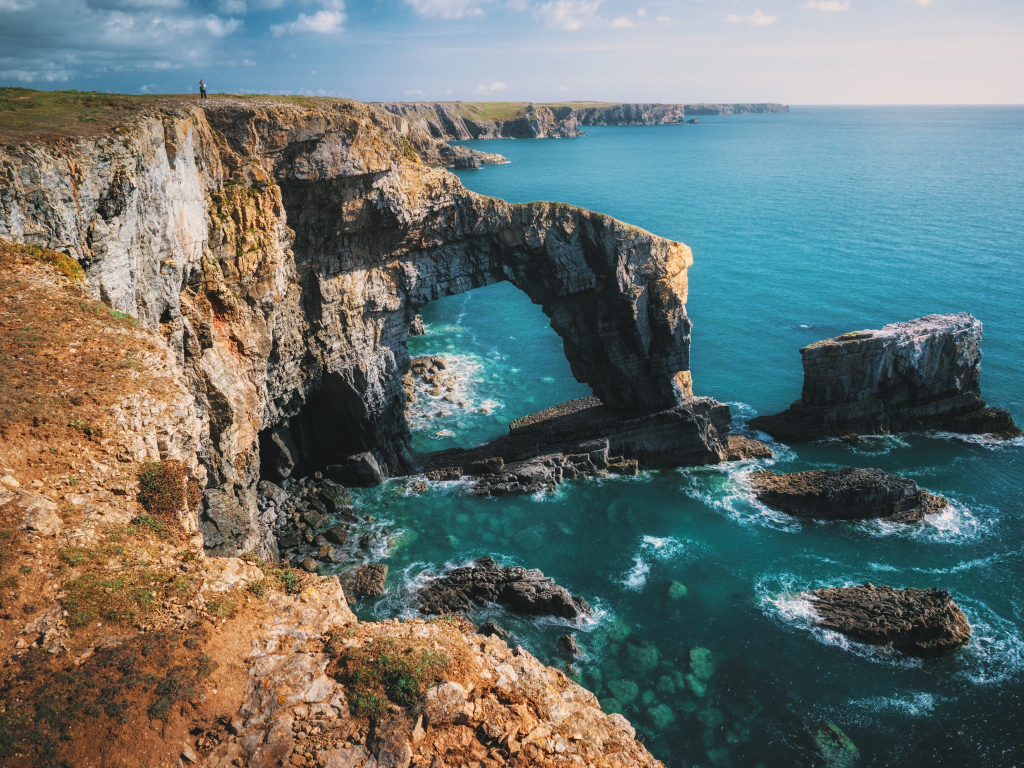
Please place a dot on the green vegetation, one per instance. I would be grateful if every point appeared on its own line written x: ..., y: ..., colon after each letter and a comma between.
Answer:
x: 162, y: 488
x: 124, y: 597
x: 389, y: 671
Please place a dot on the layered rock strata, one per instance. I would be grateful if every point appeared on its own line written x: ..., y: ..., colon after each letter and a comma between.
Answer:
x: 585, y: 438
x: 461, y: 590
x: 453, y: 121
x: 283, y: 253
x: 915, y: 621
x: 846, y: 494
x: 919, y: 375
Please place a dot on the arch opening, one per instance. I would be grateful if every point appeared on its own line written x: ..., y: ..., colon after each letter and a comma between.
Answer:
x: 501, y: 361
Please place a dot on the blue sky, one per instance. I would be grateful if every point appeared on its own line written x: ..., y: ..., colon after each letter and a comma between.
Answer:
x: 791, y: 51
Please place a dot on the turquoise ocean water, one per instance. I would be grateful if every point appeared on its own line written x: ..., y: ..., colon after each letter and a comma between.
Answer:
x: 803, y: 226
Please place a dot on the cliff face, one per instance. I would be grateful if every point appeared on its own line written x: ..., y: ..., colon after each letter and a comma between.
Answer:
x: 923, y: 374
x: 452, y: 121
x: 283, y: 252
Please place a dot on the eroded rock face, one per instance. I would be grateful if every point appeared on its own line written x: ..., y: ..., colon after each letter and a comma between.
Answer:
x: 915, y: 621
x: 284, y: 252
x: 846, y: 494
x: 923, y: 374
x: 524, y: 591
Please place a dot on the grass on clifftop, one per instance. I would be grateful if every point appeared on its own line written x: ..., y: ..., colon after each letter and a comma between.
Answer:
x: 48, y: 115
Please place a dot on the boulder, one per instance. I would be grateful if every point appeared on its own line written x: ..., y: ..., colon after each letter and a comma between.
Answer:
x: 367, y: 580
x: 361, y: 470
x: 739, y: 447
x: 846, y: 494
x: 416, y: 327
x: 915, y: 621
x: 923, y: 374
x: 524, y: 591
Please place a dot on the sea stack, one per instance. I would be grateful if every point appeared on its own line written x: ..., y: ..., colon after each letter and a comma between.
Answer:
x: 919, y: 375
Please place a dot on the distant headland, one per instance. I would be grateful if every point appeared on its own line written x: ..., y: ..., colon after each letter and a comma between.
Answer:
x: 463, y: 120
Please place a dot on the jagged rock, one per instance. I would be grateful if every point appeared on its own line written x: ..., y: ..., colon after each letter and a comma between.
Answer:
x: 915, y: 621
x: 846, y: 494
x: 416, y: 327
x: 367, y: 580
x: 568, y: 646
x: 739, y: 447
x: 923, y: 374
x: 360, y: 470
x: 524, y: 591
x: 491, y: 629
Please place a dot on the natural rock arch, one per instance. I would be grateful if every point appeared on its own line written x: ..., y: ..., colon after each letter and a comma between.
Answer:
x: 372, y: 250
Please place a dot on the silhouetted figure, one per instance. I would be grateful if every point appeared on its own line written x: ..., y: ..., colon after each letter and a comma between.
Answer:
x: 202, y: 89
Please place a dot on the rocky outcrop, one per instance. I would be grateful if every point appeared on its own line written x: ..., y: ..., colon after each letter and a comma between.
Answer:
x: 585, y: 438
x: 915, y: 621
x: 457, y: 121
x: 283, y: 253
x: 523, y: 591
x: 846, y: 494
x: 924, y: 374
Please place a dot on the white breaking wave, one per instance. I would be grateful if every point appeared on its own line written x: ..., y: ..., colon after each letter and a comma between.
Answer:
x: 636, y: 577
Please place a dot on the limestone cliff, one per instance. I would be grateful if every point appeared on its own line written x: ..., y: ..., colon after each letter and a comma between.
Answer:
x: 456, y: 121
x: 283, y: 252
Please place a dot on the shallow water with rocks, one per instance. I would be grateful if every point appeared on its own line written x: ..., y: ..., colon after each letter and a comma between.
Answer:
x: 803, y: 226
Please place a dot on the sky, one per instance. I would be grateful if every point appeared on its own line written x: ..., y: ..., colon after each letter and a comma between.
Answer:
x: 673, y: 51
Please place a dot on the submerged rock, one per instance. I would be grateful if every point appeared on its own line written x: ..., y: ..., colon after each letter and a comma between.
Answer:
x: 524, y: 591
x: 923, y: 374
x: 677, y: 590
x: 835, y: 747
x: 846, y: 494
x: 915, y: 621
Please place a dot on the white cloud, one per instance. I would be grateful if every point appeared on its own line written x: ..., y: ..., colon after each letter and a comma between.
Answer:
x: 248, y: 63
x: 16, y: 5
x: 922, y: 3
x: 641, y: 12
x: 563, y: 88
x: 416, y: 92
x: 485, y: 90
x: 756, y: 19
x: 219, y: 27
x: 568, y: 14
x: 832, y: 6
x: 232, y: 6
x: 448, y: 9
x: 622, y: 21
x: 48, y: 74
x: 321, y: 22
x: 312, y: 71
x: 145, y: 88
x: 664, y: 19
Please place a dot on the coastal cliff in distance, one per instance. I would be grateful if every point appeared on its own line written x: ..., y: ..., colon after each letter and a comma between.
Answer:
x: 461, y: 121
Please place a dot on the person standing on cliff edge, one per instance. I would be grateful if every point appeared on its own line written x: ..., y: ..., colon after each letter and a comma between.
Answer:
x: 202, y: 89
